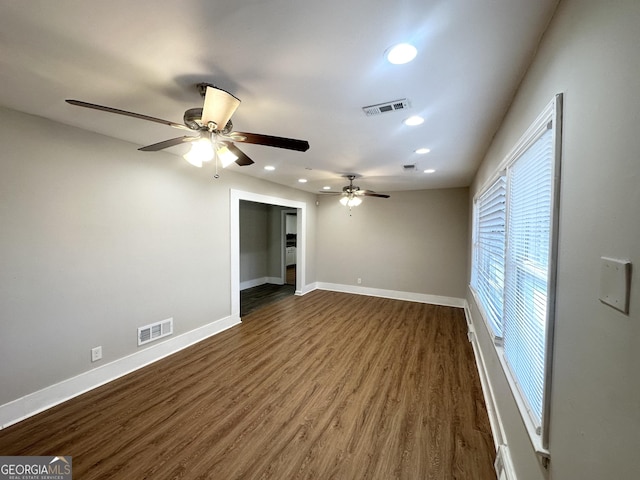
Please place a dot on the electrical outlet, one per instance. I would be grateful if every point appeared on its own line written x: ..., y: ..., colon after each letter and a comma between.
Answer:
x: 359, y: 280
x: 96, y: 354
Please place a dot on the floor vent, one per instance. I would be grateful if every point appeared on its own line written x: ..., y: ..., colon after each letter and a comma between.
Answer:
x: 154, y: 331
x: 401, y: 104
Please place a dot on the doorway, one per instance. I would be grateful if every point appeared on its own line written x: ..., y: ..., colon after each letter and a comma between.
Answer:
x: 268, y: 241
x: 301, y: 215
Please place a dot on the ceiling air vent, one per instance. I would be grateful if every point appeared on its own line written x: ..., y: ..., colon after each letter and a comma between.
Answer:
x: 409, y: 168
x: 154, y: 331
x: 371, y: 110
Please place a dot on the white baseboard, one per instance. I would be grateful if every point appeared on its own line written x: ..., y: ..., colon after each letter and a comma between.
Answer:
x: 256, y: 282
x: 53, y: 395
x: 489, y: 397
x: 252, y: 283
x: 503, y: 465
x: 306, y: 289
x: 394, y: 294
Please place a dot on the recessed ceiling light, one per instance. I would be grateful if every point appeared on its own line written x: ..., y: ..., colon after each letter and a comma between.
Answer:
x: 414, y: 120
x: 401, y: 53
x: 302, y: 180
x: 270, y: 168
x: 422, y: 151
x: 326, y: 187
x: 429, y: 170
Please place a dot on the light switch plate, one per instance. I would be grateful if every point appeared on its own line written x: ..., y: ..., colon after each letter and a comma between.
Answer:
x: 615, y: 280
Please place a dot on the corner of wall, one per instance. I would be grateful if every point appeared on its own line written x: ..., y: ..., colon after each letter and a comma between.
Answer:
x: 36, y: 402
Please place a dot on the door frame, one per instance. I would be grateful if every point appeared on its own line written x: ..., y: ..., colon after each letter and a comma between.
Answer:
x: 234, y: 205
x: 283, y: 242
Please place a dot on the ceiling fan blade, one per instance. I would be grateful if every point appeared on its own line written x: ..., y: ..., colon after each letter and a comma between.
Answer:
x: 218, y: 107
x: 79, y: 103
x: 369, y: 193
x: 243, y: 160
x: 329, y: 192
x: 270, y: 141
x: 167, y: 143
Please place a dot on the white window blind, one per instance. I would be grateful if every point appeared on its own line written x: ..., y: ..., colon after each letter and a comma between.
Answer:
x: 530, y: 190
x: 488, y: 276
x: 513, y: 264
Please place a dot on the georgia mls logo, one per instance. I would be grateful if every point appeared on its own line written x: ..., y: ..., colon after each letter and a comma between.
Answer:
x: 35, y: 468
x: 64, y: 463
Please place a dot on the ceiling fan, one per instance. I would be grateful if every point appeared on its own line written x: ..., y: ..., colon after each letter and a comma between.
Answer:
x: 213, y: 128
x: 351, y: 194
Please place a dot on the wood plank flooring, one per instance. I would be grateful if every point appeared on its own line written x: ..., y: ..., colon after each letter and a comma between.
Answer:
x: 254, y: 298
x: 324, y: 386
x: 291, y: 274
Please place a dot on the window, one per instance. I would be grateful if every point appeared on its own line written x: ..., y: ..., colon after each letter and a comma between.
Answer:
x: 489, y: 242
x: 527, y: 276
x: 513, y: 265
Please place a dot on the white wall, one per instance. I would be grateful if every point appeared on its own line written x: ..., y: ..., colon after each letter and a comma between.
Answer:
x: 261, y: 243
x: 254, y: 241
x: 415, y: 241
x: 97, y: 239
x: 590, y: 53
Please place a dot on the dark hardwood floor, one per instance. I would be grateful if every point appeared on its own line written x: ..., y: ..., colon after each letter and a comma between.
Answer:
x: 254, y: 298
x: 324, y: 386
x: 291, y: 274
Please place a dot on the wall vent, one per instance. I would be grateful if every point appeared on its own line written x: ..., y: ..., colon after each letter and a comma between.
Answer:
x: 154, y: 331
x: 386, y: 107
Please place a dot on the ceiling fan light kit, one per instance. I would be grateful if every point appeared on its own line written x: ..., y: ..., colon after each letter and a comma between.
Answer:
x: 225, y: 156
x: 351, y: 201
x: 201, y: 151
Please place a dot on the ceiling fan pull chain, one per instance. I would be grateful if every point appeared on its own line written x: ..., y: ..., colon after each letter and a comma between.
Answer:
x: 215, y: 155
x: 216, y: 175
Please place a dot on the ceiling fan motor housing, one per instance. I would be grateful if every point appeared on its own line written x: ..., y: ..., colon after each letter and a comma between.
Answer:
x: 193, y: 119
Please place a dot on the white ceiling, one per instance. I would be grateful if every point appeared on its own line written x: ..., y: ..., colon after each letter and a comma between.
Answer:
x: 303, y: 69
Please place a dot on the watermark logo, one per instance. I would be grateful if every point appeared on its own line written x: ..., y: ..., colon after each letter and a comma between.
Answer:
x: 35, y: 468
